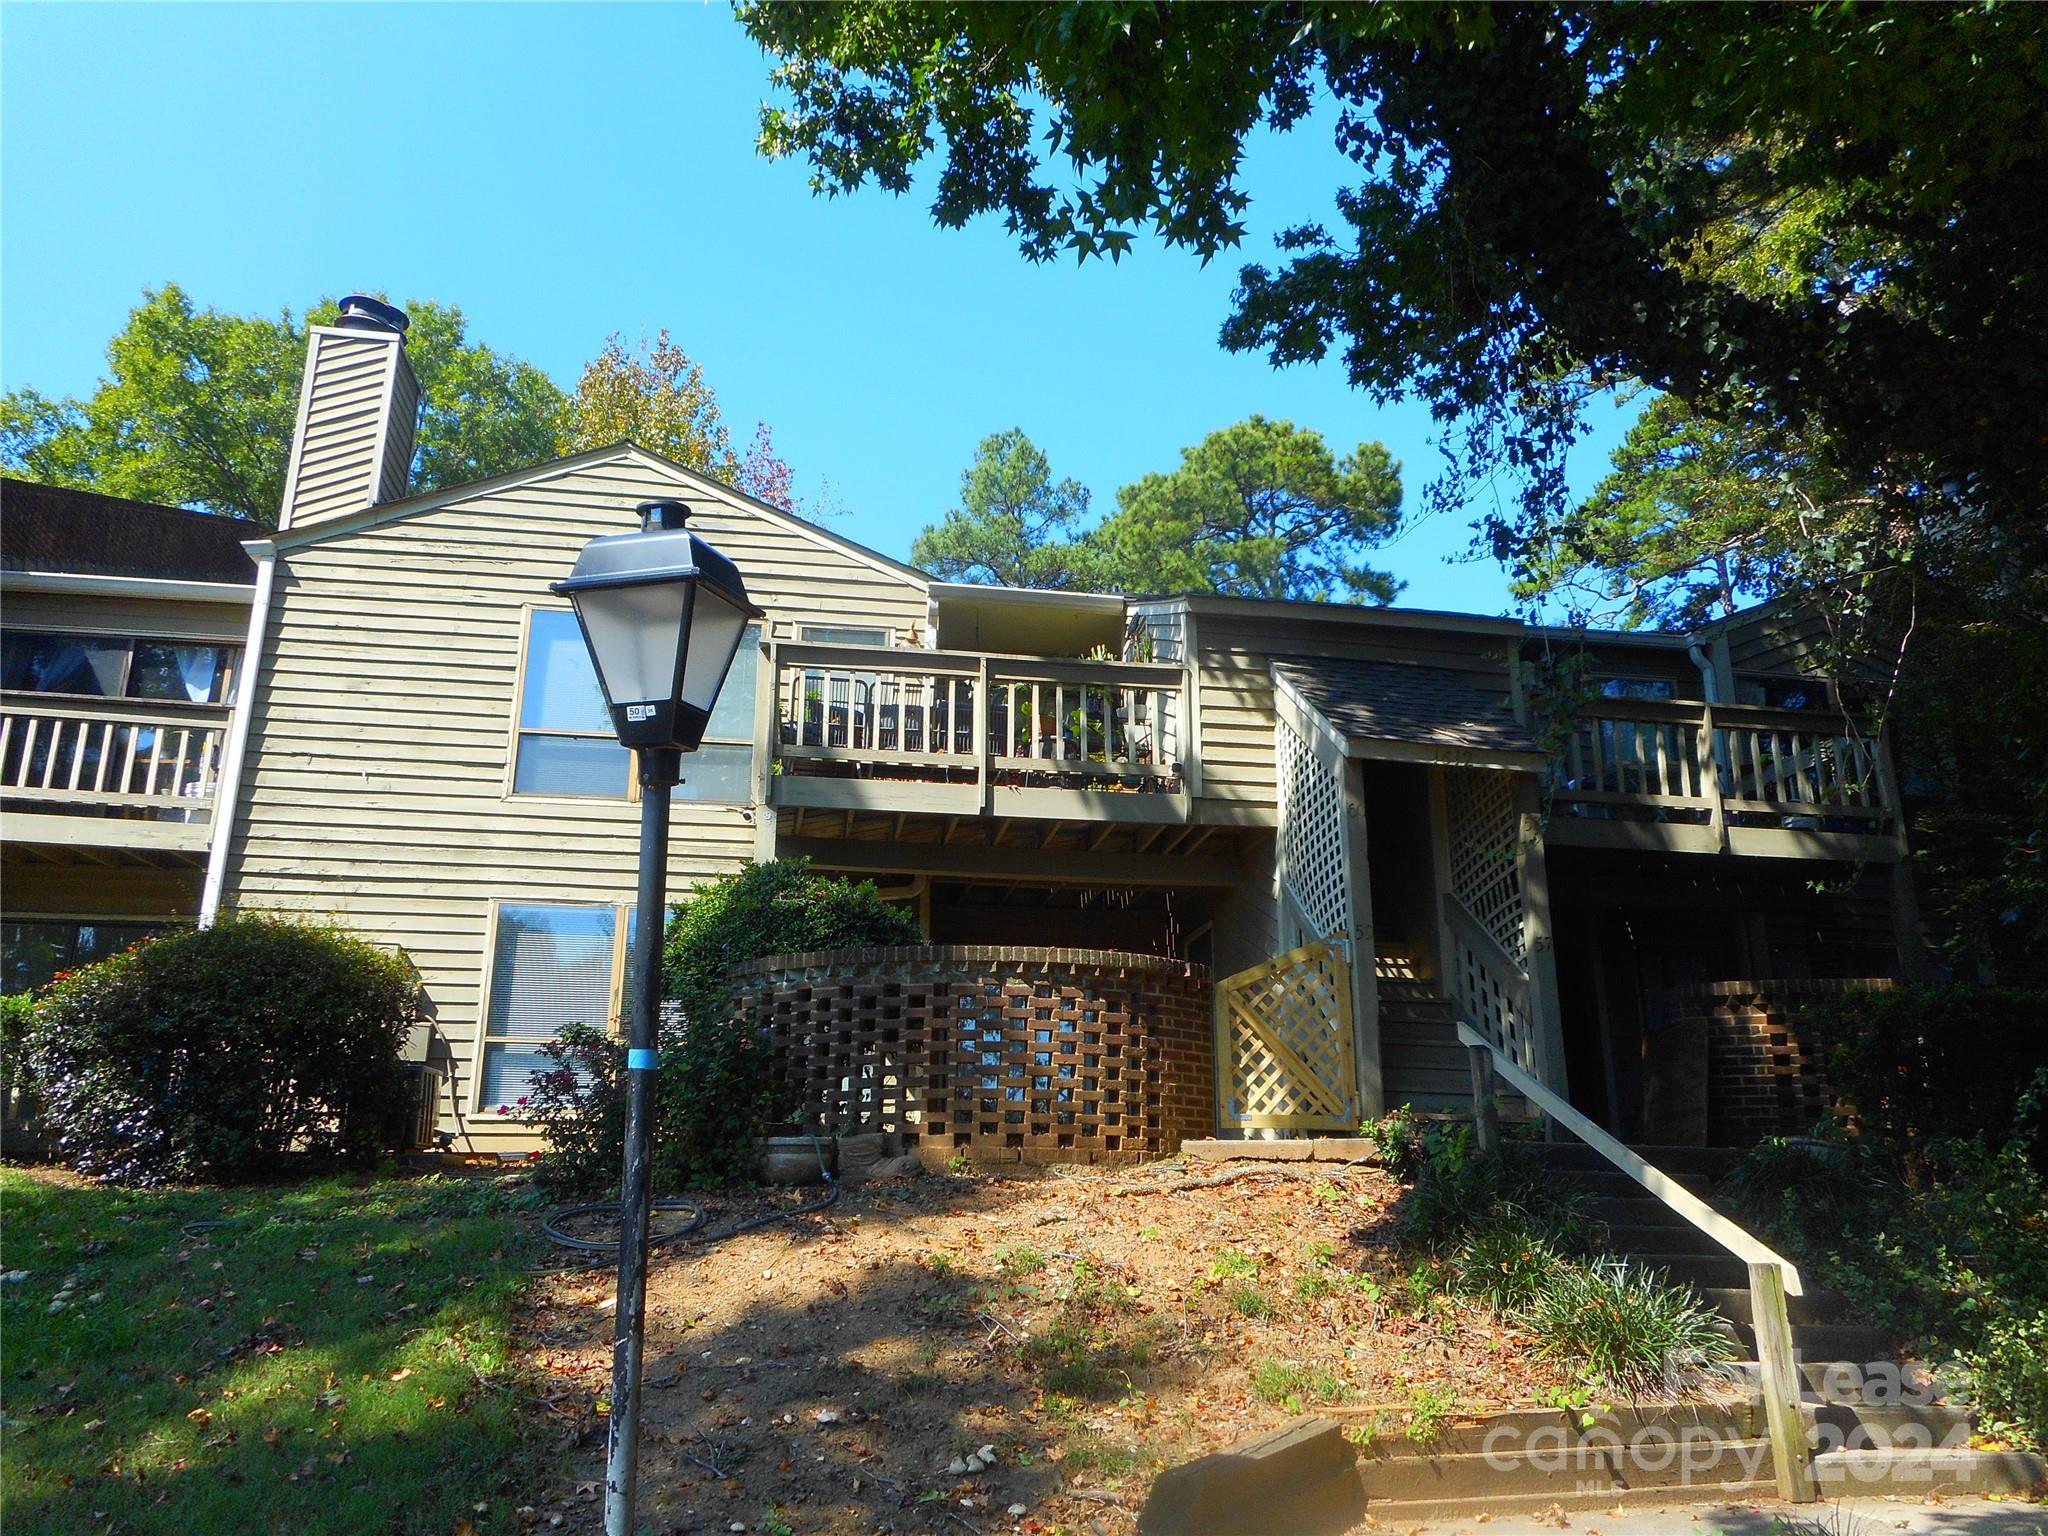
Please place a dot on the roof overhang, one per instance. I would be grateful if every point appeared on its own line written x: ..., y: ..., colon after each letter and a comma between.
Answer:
x: 1023, y: 621
x: 1432, y: 742
x: 81, y: 584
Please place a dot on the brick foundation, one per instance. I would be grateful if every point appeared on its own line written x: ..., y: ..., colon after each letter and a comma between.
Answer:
x: 1763, y: 1070
x: 1032, y: 1055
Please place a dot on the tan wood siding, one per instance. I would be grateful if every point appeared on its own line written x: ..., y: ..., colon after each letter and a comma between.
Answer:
x: 357, y: 383
x: 1234, y: 656
x: 374, y: 791
x: 152, y: 618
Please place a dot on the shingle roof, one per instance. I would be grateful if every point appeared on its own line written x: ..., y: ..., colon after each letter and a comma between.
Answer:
x: 1396, y: 701
x: 52, y: 528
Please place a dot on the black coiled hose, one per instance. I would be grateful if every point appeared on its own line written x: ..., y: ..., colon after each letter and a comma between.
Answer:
x: 689, y: 1228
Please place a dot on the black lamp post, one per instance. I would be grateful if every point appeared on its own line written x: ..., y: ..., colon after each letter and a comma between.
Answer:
x: 663, y: 613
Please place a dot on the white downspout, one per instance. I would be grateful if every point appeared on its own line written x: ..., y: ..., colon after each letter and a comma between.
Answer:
x: 1708, y: 686
x: 227, y: 792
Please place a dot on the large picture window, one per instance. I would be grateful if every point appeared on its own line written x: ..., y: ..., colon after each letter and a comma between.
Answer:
x: 118, y: 666
x: 565, y: 741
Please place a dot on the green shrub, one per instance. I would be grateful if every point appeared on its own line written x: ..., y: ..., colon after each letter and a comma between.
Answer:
x: 16, y: 1009
x: 217, y: 1053
x: 1623, y: 1323
x: 715, y: 1090
x: 1931, y: 1063
x: 1506, y: 1264
x: 1951, y: 1256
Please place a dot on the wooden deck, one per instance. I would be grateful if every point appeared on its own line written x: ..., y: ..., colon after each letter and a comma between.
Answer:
x: 113, y: 773
x: 959, y: 733
x: 1689, y: 777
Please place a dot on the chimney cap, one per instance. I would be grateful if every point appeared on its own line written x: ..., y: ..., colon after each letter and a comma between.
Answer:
x: 360, y: 312
x: 665, y: 513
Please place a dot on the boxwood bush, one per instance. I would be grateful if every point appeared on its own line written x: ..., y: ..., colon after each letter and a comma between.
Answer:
x: 220, y: 1053
x: 715, y: 1092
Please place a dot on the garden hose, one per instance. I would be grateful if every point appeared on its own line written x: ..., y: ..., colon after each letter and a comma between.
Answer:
x: 689, y: 1228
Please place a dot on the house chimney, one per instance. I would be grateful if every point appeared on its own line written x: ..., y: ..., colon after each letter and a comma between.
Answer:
x: 358, y: 408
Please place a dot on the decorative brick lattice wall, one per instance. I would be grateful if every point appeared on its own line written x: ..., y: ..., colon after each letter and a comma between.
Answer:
x: 1032, y: 1055
x: 1764, y: 1070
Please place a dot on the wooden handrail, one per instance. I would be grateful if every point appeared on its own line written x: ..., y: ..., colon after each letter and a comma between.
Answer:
x: 1772, y: 1276
x: 172, y: 714
x: 1654, y: 1179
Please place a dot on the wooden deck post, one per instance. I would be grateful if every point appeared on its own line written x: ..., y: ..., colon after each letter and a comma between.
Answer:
x: 1365, y: 987
x: 1485, y: 1099
x: 1542, y: 957
x: 1778, y: 1371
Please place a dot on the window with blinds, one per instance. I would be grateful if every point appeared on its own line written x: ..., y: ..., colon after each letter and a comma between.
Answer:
x: 551, y: 966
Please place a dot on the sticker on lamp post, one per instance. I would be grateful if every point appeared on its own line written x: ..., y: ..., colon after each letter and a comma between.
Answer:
x: 638, y: 712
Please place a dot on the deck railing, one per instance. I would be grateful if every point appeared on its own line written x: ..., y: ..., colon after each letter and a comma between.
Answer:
x: 959, y: 717
x: 1688, y: 761
x: 129, y: 757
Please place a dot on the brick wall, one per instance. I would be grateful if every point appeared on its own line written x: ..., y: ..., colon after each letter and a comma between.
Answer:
x: 1032, y: 1055
x: 1763, y: 1070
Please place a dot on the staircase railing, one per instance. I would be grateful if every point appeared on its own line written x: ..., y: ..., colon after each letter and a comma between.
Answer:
x: 1772, y: 1277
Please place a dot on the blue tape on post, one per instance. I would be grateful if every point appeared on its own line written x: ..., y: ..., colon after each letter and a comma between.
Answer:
x: 640, y: 1061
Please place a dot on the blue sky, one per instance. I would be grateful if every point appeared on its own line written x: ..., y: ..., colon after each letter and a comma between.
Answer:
x: 563, y: 172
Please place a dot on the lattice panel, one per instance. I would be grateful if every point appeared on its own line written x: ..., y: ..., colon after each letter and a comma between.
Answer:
x: 1312, y: 838
x: 1038, y: 1055
x: 1287, y: 1026
x: 1479, y: 804
x: 1495, y: 1004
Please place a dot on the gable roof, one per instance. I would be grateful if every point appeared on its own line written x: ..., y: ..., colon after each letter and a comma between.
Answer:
x: 412, y: 506
x: 51, y: 528
x: 1373, y: 704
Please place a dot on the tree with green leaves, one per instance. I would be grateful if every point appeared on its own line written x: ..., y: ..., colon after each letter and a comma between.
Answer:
x: 1259, y: 509
x: 1015, y: 525
x: 1700, y: 516
x: 198, y: 406
x: 1832, y: 211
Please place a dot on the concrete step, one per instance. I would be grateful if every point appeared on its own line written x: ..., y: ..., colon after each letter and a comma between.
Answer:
x: 1692, y: 1459
x: 1858, y: 1343
x: 1517, y: 1429
x: 1702, y: 1271
x: 1814, y: 1307
x: 1663, y: 1238
x: 1890, y: 1426
x: 1713, y: 1161
x: 1612, y: 1183
x: 1636, y: 1210
x: 1405, y: 1514
x: 1846, y: 1474
x: 1875, y: 1382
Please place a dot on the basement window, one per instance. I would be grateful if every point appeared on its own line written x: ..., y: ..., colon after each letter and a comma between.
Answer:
x: 550, y: 966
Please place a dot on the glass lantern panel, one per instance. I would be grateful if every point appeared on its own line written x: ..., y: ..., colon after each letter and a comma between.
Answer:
x: 635, y: 632
x: 715, y: 631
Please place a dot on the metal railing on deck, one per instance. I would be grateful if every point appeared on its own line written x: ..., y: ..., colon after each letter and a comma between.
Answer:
x: 127, y: 755
x: 1772, y: 1277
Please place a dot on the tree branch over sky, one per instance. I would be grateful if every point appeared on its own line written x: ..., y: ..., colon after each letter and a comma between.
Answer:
x: 1833, y: 216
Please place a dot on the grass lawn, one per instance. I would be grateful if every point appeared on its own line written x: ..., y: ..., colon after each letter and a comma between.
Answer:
x: 331, y: 1356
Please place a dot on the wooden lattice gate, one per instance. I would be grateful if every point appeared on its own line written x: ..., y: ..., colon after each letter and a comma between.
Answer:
x: 1284, y: 1043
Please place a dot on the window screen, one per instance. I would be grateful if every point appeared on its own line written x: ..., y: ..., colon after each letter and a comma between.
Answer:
x: 551, y: 966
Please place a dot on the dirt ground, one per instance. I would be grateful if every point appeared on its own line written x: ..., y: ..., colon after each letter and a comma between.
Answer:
x: 849, y: 1371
